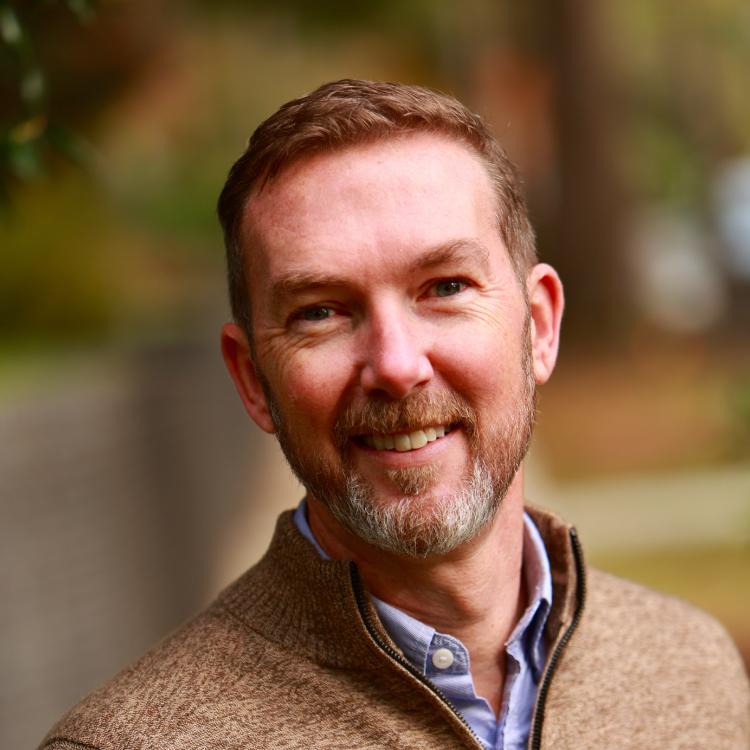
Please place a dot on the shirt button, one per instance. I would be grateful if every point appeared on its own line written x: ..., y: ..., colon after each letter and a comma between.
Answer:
x: 442, y: 658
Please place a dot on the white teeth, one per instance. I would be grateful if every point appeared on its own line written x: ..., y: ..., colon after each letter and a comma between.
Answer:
x: 403, y: 442
x: 418, y: 439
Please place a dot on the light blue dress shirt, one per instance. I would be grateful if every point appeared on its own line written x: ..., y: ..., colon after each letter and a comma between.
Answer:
x: 526, y: 651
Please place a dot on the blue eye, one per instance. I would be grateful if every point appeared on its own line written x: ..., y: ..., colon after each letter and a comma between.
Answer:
x: 317, y: 313
x: 448, y: 288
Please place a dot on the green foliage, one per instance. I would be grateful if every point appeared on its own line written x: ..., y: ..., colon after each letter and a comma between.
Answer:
x: 30, y: 138
x: 83, y: 9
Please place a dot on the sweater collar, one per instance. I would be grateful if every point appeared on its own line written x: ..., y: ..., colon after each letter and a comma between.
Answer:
x: 300, y: 601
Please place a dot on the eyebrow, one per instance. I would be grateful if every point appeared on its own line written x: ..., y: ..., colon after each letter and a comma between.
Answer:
x: 294, y: 283
x: 464, y: 250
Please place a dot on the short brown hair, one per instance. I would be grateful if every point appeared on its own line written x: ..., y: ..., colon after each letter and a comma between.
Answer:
x: 348, y: 113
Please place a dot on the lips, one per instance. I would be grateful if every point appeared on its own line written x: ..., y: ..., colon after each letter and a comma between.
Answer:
x: 405, y: 441
x: 404, y: 424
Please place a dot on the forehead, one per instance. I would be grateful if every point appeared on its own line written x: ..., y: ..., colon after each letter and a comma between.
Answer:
x: 367, y: 208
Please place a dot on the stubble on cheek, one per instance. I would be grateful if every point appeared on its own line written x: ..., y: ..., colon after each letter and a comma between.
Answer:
x: 330, y: 479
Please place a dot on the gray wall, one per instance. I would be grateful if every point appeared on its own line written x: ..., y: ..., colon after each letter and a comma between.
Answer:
x: 119, y: 492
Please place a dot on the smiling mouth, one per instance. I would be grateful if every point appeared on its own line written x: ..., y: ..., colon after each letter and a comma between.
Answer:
x: 405, y: 441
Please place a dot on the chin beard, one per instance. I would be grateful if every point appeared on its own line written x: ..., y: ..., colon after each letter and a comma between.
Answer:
x: 420, y: 523
x: 414, y: 525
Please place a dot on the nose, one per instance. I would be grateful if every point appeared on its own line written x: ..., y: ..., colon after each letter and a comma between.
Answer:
x: 396, y: 360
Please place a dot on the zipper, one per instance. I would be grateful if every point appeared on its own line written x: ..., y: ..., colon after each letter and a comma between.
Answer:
x: 535, y: 740
x: 359, y: 595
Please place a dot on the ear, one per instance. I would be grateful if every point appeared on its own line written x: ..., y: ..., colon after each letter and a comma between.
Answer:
x: 547, y: 302
x: 236, y: 351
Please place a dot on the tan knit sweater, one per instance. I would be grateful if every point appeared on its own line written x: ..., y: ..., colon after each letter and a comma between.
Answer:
x: 292, y: 655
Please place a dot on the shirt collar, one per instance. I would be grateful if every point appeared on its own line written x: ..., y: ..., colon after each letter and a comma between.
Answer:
x: 300, y: 518
x: 414, y: 637
x: 536, y: 570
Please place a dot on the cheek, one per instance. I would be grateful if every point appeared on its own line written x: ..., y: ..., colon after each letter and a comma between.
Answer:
x: 484, y: 366
x: 313, y: 385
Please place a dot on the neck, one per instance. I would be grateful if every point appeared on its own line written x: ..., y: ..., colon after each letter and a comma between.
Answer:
x: 434, y: 589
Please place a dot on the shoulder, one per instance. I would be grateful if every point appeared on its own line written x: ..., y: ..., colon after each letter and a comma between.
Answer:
x: 651, y: 627
x: 279, y: 650
x: 188, y: 681
x: 212, y: 679
x: 618, y: 609
x: 180, y: 682
x: 654, y: 665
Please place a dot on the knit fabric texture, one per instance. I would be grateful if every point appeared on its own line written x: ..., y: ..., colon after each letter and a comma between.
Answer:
x: 284, y: 659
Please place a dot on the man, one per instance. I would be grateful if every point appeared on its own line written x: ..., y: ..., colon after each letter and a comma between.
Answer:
x: 391, y: 323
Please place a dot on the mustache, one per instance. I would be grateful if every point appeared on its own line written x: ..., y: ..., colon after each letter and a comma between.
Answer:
x: 384, y: 415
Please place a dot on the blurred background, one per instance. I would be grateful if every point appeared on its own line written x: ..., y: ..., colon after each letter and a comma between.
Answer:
x: 133, y: 486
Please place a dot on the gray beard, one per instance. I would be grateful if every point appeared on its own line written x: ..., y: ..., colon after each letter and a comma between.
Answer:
x: 418, y: 524
x: 405, y: 528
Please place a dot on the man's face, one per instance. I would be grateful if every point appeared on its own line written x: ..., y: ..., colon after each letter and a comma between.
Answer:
x: 385, y: 305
